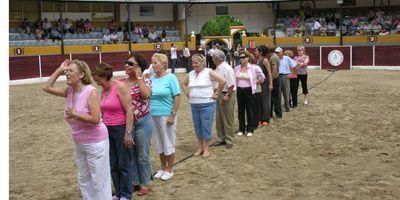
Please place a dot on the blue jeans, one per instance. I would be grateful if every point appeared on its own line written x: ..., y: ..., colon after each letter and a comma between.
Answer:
x: 203, y: 116
x: 120, y: 162
x: 142, y: 170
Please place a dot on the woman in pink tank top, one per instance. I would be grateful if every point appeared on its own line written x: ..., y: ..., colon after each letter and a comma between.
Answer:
x: 117, y: 114
x: 82, y: 112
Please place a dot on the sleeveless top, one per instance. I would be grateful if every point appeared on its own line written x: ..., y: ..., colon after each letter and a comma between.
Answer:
x: 201, y: 87
x: 264, y: 70
x: 82, y: 132
x: 141, y: 107
x: 113, y: 112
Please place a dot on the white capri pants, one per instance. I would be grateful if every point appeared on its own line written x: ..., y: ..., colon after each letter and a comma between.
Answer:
x: 164, y: 135
x: 93, y: 163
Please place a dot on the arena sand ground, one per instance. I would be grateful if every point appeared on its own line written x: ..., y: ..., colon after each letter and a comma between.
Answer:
x: 344, y: 145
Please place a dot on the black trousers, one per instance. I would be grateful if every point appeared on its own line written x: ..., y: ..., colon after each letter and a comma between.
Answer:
x: 265, y: 108
x: 186, y: 63
x: 246, y: 108
x: 276, y: 98
x: 258, y: 108
x: 174, y: 64
x: 294, y: 87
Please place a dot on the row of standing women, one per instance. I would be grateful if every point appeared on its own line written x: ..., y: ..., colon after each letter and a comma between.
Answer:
x: 112, y: 131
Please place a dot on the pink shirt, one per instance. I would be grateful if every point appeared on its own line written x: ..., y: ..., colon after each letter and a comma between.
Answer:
x: 255, y: 73
x: 301, y: 60
x: 141, y: 107
x: 243, y: 79
x: 82, y: 132
x: 111, y: 107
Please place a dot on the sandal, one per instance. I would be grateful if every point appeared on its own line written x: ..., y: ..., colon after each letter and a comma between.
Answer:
x: 143, y: 191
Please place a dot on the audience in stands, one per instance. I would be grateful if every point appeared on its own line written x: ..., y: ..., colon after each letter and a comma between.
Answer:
x: 88, y: 26
x: 55, y: 34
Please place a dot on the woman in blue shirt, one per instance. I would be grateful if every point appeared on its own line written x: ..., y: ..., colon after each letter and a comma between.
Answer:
x: 164, y: 104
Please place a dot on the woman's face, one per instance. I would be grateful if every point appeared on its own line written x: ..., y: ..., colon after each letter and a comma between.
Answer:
x: 73, y: 75
x: 197, y: 65
x: 300, y: 51
x: 243, y: 59
x: 157, y: 65
x: 257, y: 53
x: 101, y: 81
x: 130, y: 66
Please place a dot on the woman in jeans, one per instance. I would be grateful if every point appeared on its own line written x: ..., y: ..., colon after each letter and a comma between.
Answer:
x: 82, y: 112
x: 117, y: 116
x: 302, y: 59
x: 198, y: 87
x: 247, y: 78
x: 140, y: 91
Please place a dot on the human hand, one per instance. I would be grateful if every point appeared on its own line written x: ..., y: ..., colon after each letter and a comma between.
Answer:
x: 226, y: 98
x: 64, y: 66
x: 128, y: 141
x: 138, y: 72
x: 270, y: 87
x: 214, y: 96
x: 170, y: 120
x: 71, y: 113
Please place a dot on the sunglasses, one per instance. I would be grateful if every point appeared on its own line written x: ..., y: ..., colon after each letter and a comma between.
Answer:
x: 130, y: 63
x: 243, y: 57
x: 299, y: 50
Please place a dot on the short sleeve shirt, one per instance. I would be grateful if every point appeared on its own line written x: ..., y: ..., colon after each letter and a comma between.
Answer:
x: 285, y: 64
x: 226, y: 71
x: 163, y: 92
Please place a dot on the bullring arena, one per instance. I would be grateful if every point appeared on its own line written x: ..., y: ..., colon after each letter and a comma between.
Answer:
x: 345, y: 144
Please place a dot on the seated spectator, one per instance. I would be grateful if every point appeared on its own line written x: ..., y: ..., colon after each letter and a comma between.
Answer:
x: 107, y: 38
x: 354, y: 20
x: 25, y: 26
x: 112, y: 26
x: 55, y: 34
x: 39, y: 23
x: 394, y: 22
x: 293, y: 23
x: 359, y: 31
x: 153, y: 37
x: 134, y: 37
x: 352, y: 29
x: 120, y: 35
x: 47, y: 27
x: 114, y: 37
x: 289, y: 32
x: 316, y: 28
x: 397, y: 28
x: 80, y: 26
x: 68, y: 26
x: 163, y: 34
x: 384, y: 31
x: 367, y: 28
x: 376, y: 28
x: 39, y: 33
x: 324, y: 29
x: 88, y: 26
x: 331, y: 29
x: 138, y: 31
x: 145, y: 32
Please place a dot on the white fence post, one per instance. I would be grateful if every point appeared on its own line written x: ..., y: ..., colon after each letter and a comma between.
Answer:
x: 373, y: 56
x: 70, y: 56
x: 40, y: 67
x: 351, y: 57
x: 320, y: 57
x: 100, y: 56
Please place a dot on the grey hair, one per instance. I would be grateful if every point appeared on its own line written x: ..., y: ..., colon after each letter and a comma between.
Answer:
x: 220, y: 55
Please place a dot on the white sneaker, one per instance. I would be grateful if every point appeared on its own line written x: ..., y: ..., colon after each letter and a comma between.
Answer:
x: 115, y: 197
x: 240, y: 133
x: 249, y: 134
x: 167, y: 175
x: 159, y: 174
x: 306, y: 102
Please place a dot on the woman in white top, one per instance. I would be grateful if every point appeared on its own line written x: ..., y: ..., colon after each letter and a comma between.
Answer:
x: 199, y: 88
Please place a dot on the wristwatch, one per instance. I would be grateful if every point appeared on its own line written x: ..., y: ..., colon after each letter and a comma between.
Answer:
x: 129, y: 132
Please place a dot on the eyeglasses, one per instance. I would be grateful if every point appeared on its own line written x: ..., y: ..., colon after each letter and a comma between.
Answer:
x: 130, y: 63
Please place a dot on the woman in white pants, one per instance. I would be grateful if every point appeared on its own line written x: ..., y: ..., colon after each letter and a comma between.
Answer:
x: 82, y: 112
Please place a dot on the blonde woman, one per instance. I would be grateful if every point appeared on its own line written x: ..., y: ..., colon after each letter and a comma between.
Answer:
x: 302, y: 60
x: 82, y: 112
x: 164, y: 104
x: 198, y: 87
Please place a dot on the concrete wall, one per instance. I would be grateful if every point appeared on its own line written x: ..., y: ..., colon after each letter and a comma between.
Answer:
x: 333, y: 4
x: 162, y: 12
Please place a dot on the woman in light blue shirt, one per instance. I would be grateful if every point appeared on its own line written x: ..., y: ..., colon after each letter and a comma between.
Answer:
x: 164, y: 104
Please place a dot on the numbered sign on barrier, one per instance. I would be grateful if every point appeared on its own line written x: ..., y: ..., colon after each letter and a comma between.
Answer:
x: 96, y: 48
x: 18, y: 51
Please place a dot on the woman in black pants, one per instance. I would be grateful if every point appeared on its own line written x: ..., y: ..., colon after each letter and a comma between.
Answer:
x: 301, y: 72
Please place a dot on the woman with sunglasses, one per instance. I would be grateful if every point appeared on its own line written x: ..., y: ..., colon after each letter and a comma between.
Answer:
x: 117, y: 115
x: 302, y: 59
x: 247, y: 77
x: 140, y: 91
x: 199, y: 88
x: 82, y: 112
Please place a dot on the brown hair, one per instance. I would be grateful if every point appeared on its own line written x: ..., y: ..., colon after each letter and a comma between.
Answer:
x: 141, y: 60
x: 288, y: 53
x: 251, y: 57
x: 103, y: 70
x: 83, y: 67
x: 271, y: 48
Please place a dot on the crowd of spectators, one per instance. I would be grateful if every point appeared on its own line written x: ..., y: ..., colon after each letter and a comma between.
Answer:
x: 328, y: 23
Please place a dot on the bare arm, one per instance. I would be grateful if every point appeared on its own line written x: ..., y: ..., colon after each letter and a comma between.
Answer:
x: 185, y: 87
x: 177, y: 102
x: 268, y: 67
x: 221, y: 83
x: 49, y: 85
x: 94, y: 110
x: 145, y: 90
x: 126, y: 101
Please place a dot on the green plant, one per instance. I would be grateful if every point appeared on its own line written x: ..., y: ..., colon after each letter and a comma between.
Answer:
x: 219, y: 25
